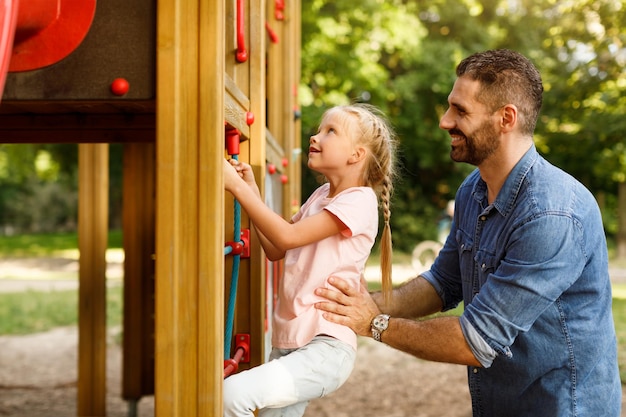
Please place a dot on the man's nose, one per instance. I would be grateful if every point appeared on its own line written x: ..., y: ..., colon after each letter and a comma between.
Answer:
x: 446, y: 121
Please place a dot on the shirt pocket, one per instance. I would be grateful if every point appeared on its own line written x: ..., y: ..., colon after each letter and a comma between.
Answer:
x: 487, y: 263
x: 465, y: 245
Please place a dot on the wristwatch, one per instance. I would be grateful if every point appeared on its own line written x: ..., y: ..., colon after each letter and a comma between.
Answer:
x: 379, y: 325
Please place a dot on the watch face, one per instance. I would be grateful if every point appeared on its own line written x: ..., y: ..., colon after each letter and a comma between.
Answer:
x: 380, y: 322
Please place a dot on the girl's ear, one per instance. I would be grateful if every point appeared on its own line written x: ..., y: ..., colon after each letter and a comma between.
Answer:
x: 358, y: 154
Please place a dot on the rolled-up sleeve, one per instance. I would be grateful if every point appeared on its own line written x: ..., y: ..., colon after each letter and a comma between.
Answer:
x: 481, y: 350
x: 543, y: 258
x: 445, y: 274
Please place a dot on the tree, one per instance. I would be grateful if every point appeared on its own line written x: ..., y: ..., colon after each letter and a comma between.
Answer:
x: 401, y: 55
x: 36, y: 193
x: 584, y: 123
x: 376, y: 53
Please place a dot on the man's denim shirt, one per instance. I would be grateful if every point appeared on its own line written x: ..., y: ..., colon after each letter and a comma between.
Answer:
x: 532, y: 270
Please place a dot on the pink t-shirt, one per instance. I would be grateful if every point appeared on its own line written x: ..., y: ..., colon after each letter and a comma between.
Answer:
x: 296, y: 320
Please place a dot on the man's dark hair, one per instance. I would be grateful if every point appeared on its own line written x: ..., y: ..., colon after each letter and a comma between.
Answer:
x: 506, y: 77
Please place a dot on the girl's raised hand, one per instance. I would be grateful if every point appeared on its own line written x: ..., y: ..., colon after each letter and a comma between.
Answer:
x: 233, y: 169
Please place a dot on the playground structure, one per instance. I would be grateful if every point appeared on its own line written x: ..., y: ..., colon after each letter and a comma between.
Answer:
x: 171, y: 80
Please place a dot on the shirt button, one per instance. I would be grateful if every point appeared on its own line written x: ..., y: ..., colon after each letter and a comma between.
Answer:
x: 483, y: 218
x: 475, y: 370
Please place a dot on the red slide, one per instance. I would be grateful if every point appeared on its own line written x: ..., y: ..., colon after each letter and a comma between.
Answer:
x: 8, y: 19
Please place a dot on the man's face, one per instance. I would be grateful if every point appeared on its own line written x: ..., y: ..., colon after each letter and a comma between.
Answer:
x: 470, y: 124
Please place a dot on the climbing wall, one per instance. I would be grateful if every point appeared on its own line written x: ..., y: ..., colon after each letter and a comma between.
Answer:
x: 262, y: 74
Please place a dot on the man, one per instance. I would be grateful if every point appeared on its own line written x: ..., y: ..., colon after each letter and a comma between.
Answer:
x: 526, y: 254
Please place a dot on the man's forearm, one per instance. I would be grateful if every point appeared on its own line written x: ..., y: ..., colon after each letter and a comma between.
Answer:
x: 440, y: 339
x: 413, y: 299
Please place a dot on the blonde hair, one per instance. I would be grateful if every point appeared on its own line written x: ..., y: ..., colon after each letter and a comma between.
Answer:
x: 377, y: 135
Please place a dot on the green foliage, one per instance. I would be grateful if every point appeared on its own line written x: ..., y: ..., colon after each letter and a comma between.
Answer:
x: 586, y: 92
x: 39, y: 187
x: 401, y: 56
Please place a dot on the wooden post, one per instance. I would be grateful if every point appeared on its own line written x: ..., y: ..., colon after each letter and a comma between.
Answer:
x: 190, y: 208
x: 93, y: 200
x: 138, y: 232
x: 257, y: 149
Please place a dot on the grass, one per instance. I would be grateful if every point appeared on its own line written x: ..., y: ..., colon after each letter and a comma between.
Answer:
x: 33, y: 311
x: 37, y: 311
x: 619, y: 291
x: 46, y: 244
x: 619, y: 316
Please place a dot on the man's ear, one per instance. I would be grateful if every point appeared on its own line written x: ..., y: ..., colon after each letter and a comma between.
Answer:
x: 509, y: 118
x: 358, y: 154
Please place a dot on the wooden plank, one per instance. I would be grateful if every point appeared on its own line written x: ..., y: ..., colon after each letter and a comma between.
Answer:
x: 138, y: 232
x: 236, y: 105
x: 176, y: 248
x: 258, y: 146
x: 76, y: 128
x: 239, y: 72
x: 77, y: 106
x: 274, y: 151
x: 93, y: 192
x: 283, y: 79
x: 75, y: 121
x: 276, y: 78
x: 294, y: 150
x: 211, y: 211
x: 77, y: 136
x: 190, y: 198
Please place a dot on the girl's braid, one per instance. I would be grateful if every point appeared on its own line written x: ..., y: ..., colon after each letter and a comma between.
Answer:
x: 379, y: 138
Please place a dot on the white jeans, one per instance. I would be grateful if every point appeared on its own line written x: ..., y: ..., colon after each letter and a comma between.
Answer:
x: 292, y: 377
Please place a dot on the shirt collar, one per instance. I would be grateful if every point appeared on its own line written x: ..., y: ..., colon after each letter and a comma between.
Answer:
x: 508, y: 193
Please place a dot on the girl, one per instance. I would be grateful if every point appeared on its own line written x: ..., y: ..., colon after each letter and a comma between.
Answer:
x: 331, y: 235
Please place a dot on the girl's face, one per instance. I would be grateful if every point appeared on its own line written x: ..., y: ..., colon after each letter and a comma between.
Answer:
x: 333, y: 145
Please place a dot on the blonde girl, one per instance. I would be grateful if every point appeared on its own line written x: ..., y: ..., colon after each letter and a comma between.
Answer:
x: 331, y: 235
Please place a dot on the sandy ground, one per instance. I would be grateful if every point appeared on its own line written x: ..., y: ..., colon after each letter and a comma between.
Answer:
x: 38, y: 379
x: 38, y: 373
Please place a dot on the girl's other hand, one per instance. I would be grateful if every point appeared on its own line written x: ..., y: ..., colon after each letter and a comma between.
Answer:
x: 231, y: 174
x: 233, y: 169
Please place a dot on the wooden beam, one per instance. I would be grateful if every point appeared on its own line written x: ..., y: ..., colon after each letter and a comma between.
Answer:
x: 93, y: 201
x: 138, y: 232
x: 76, y: 128
x: 190, y: 208
x: 257, y: 149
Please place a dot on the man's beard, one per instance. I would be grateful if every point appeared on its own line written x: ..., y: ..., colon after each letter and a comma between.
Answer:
x: 477, y: 147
